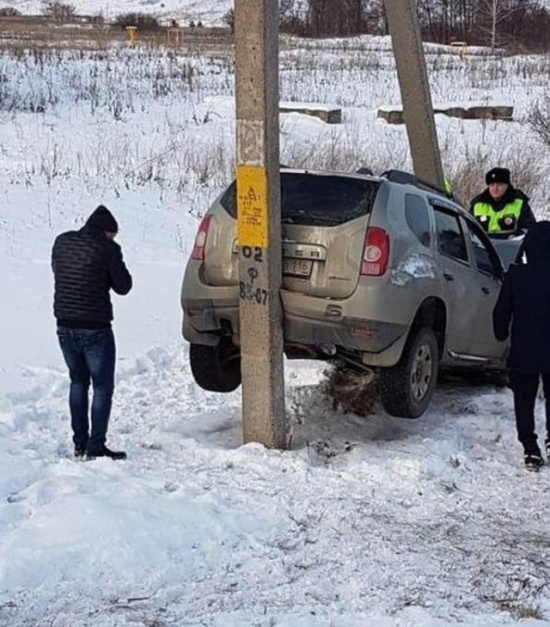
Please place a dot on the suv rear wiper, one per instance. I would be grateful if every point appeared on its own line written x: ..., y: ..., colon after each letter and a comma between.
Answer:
x: 308, y: 219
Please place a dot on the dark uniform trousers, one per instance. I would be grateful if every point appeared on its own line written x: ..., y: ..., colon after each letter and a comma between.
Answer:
x: 525, y: 386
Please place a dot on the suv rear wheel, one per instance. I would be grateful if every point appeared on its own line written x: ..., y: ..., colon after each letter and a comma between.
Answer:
x: 216, y: 368
x: 407, y: 388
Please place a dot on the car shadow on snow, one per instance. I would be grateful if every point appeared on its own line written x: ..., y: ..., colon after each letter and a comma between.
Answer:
x: 315, y: 416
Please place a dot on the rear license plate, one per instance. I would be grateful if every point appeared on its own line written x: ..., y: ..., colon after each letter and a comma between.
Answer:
x: 297, y: 267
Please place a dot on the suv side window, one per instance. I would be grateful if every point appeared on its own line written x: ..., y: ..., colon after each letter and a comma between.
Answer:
x: 450, y: 238
x: 486, y: 259
x: 417, y: 215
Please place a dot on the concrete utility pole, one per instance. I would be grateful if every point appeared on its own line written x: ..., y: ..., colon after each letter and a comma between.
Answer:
x: 415, y: 90
x: 259, y: 223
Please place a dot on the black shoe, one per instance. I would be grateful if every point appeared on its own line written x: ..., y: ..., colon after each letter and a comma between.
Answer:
x: 547, y: 446
x: 533, y: 461
x: 106, y: 452
x: 79, y: 451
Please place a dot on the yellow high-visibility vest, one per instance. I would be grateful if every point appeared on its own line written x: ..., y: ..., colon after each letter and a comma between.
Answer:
x: 503, y: 221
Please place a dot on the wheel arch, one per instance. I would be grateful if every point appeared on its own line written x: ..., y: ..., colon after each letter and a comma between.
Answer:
x: 432, y: 313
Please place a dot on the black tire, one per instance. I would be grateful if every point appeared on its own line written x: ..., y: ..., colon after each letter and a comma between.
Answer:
x: 407, y: 388
x: 216, y: 368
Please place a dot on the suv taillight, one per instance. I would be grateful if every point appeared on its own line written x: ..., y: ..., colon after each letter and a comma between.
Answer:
x: 376, y: 252
x: 200, y: 239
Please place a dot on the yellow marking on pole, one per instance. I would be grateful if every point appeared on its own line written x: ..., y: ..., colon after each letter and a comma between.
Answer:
x: 252, y: 210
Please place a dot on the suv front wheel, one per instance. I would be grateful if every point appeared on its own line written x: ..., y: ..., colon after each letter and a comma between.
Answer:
x: 216, y: 368
x: 407, y: 388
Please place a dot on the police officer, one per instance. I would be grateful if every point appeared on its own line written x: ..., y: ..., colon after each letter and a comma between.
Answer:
x: 502, y: 210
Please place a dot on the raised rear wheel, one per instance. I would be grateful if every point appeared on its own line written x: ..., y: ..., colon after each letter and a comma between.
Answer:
x: 216, y: 368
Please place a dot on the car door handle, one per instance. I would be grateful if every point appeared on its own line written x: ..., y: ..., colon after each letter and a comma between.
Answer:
x: 485, y: 290
x: 448, y: 276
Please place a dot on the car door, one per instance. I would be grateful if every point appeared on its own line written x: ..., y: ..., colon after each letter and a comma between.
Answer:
x: 487, y: 287
x: 458, y: 277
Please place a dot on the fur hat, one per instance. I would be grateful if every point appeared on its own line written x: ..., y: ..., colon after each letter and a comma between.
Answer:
x: 103, y: 219
x: 498, y: 175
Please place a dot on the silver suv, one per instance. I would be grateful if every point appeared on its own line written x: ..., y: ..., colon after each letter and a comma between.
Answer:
x: 384, y: 273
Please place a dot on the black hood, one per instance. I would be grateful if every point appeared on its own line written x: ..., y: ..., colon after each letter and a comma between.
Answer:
x: 103, y: 219
x: 537, y: 242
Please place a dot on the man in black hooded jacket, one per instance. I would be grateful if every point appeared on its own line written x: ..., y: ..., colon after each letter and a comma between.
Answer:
x: 87, y: 264
x: 524, y: 302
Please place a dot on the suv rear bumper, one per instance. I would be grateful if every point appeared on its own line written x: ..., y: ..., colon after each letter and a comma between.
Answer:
x: 351, y: 334
x: 206, y: 320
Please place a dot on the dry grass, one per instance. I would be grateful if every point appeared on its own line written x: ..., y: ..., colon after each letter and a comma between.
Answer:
x: 24, y: 32
x: 202, y: 65
x: 468, y: 175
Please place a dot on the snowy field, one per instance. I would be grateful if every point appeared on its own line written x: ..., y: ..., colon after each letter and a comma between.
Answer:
x: 210, y: 12
x: 375, y: 521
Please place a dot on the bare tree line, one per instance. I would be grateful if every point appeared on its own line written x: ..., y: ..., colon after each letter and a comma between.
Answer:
x: 512, y: 23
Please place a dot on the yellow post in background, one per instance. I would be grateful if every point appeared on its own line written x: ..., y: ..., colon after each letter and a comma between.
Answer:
x: 175, y: 36
x: 462, y: 49
x: 132, y: 35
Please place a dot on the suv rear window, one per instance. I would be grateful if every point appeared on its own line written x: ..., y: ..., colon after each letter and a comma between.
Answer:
x: 313, y: 199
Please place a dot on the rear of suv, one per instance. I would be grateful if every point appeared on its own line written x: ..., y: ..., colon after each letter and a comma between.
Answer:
x: 381, y: 272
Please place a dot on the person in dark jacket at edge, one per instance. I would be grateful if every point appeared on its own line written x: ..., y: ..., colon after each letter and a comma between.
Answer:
x: 502, y: 210
x: 87, y: 264
x: 524, y: 304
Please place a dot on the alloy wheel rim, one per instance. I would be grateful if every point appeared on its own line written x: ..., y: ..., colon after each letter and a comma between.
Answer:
x: 421, y: 372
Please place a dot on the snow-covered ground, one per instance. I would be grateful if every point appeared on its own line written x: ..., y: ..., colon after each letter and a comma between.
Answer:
x: 365, y: 521
x: 210, y: 12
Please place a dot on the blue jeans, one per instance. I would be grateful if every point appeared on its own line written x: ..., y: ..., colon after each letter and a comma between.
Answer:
x: 89, y: 355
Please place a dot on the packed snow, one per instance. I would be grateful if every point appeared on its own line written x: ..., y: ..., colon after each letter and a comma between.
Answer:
x: 363, y: 521
x: 416, y: 266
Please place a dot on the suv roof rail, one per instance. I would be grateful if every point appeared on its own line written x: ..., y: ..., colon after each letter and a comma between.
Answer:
x: 406, y: 178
